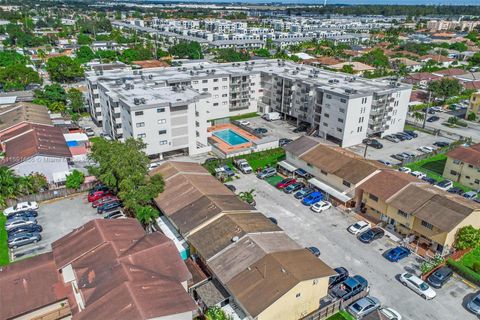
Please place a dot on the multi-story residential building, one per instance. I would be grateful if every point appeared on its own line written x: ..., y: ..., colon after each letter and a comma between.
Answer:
x: 463, y: 166
x: 425, y: 215
x: 442, y: 25
x: 339, y: 107
x: 474, y: 105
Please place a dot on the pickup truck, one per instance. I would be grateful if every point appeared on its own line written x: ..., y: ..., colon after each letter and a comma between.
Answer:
x: 350, y: 287
x: 243, y: 165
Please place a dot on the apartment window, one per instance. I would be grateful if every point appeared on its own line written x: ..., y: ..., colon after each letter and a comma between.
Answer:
x: 467, y: 177
x: 224, y: 95
x: 315, y: 281
x: 477, y: 181
x: 215, y: 104
x: 205, y: 81
x: 339, y: 129
x: 205, y: 89
x: 160, y: 110
x: 364, y: 100
x: 346, y: 183
x: 326, y: 115
x: 341, y: 110
x: 328, y: 96
x: 340, y: 120
x: 161, y: 121
x: 162, y: 131
x: 297, y: 295
x: 141, y: 135
x: 139, y: 113
x: 325, y: 124
x: 453, y: 172
x: 343, y: 100
x: 359, y: 129
x: 195, y: 81
x: 215, y: 88
x: 140, y: 124
x: 470, y: 166
x: 457, y: 162
x: 225, y: 102
x: 427, y: 225
x: 224, y: 79
x: 215, y: 96
x: 402, y: 213
x: 324, y: 172
x: 360, y: 120
x: 373, y: 197
x: 163, y: 142
x: 225, y: 87
x: 215, y: 80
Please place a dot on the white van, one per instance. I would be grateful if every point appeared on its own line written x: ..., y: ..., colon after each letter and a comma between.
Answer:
x: 271, y: 116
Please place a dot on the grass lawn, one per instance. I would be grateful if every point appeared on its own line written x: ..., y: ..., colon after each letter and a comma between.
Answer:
x: 94, y: 139
x: 470, y: 258
x: 244, y: 116
x: 342, y: 315
x: 274, y: 180
x: 413, y: 128
x: 4, y: 257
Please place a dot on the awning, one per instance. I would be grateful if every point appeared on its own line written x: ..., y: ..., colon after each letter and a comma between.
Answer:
x: 287, y: 166
x: 331, y: 191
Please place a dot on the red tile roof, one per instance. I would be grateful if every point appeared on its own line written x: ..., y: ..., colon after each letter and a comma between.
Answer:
x: 451, y: 72
x: 470, y: 155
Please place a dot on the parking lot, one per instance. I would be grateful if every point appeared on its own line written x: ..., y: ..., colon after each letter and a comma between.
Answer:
x: 390, y: 148
x: 57, y: 217
x: 327, y: 231
x: 277, y: 128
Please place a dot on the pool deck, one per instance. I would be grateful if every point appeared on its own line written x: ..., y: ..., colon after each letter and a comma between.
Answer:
x: 225, y: 147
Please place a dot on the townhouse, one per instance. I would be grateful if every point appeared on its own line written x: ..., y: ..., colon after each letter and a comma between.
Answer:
x: 106, y: 269
x: 463, y: 166
x: 339, y: 107
x: 262, y: 273
x: 474, y: 105
x: 423, y: 214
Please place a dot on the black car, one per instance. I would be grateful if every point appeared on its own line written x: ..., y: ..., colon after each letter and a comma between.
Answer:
x: 24, y: 213
x: 300, y: 129
x: 440, y: 277
x: 429, y: 180
x: 404, y: 136
x: 98, y: 187
x: 109, y: 206
x: 342, y: 275
x: 26, y: 228
x: 433, y: 119
x: 260, y: 130
x: 284, y: 141
x: 231, y: 187
x: 411, y: 133
x: 373, y: 143
x: 314, y: 250
x: 274, y: 221
x: 455, y: 190
x: 371, y: 235
x: 441, y: 144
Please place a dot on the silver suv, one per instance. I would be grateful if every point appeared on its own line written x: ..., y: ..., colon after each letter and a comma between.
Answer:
x: 19, y: 222
x: 23, y: 238
x: 266, y: 173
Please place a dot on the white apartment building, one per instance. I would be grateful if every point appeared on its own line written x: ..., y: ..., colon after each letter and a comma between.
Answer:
x: 338, y: 107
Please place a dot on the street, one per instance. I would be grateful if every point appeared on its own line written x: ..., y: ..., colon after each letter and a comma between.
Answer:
x: 327, y: 231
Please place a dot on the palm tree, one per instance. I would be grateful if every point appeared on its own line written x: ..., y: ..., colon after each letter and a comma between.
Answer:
x: 146, y: 215
x: 247, y: 196
x: 8, y: 185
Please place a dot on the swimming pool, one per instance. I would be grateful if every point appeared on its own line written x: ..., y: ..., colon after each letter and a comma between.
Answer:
x: 230, y: 137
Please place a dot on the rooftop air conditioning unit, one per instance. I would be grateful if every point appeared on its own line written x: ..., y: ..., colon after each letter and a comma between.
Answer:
x: 136, y: 101
x: 143, y: 100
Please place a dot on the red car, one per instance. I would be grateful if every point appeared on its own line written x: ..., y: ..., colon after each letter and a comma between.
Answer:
x: 103, y: 200
x: 94, y: 196
x: 285, y: 182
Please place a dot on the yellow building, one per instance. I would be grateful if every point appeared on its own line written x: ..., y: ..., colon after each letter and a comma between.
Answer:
x: 419, y: 211
x: 463, y: 166
x: 474, y: 105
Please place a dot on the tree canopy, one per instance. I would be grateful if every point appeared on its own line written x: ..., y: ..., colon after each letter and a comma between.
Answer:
x: 12, y: 185
x: 231, y: 55
x: 376, y: 58
x: 64, y: 69
x: 467, y: 237
x: 135, y: 54
x: 75, y: 180
x: 84, y: 54
x: 445, y: 87
x: 18, y: 77
x: 10, y: 57
x: 187, y: 50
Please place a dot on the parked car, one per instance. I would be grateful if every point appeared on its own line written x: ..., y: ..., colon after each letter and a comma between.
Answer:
x: 21, y: 206
x: 243, y: 166
x: 266, y: 173
x: 314, y: 250
x: 390, y: 314
x: 438, y: 278
x: 387, y: 163
x: 397, y: 254
x: 405, y: 135
x: 244, y: 122
x: 391, y: 138
x: 411, y: 133
x: 470, y: 195
x: 321, y: 206
x: 400, y: 137
x: 455, y: 190
x: 114, y: 214
x: 441, y: 144
x: 228, y: 171
x: 103, y: 200
x: 429, y: 180
x: 371, y: 235
x: 444, y: 185
x: 231, y: 187
x: 89, y: 131
x: 433, y: 119
x: 26, y: 228
x: 98, y: 187
x: 426, y: 149
x: 364, y: 307
x: 300, y: 128
x: 293, y: 187
x: 342, y: 275
x: 474, y: 304
x: 20, y: 239
x: 409, y: 154
x: 285, y: 183
x: 109, y: 206
x: 303, y: 193
x: 284, y: 141
x: 373, y: 143
x: 399, y: 157
x: 260, y: 130
x: 359, y: 227
x: 26, y: 213
x: 312, y: 198
x: 274, y: 221
x: 94, y: 196
x: 153, y: 165
x: 417, y: 285
x: 418, y: 174
x: 350, y: 287
x: 19, y: 222
x: 405, y: 169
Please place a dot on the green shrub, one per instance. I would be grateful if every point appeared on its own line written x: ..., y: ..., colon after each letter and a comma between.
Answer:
x: 464, y: 271
x: 429, y: 265
x: 476, y: 266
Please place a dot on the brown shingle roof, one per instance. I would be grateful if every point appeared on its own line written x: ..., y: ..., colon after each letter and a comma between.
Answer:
x: 17, y: 113
x: 470, y: 155
x: 268, y: 279
x: 451, y: 72
x: 301, y: 145
x: 386, y: 183
x: 171, y: 168
x: 28, y: 285
x: 219, y: 234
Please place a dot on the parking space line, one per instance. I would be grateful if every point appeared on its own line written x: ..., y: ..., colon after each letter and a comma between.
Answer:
x: 468, y: 283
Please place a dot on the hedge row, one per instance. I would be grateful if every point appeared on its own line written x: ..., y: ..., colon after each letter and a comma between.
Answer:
x: 464, y: 271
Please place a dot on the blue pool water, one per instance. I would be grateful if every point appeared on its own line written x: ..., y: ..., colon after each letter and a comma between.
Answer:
x: 72, y: 143
x: 230, y: 137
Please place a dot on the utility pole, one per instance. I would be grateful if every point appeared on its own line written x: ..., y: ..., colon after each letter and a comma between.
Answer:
x: 426, y: 109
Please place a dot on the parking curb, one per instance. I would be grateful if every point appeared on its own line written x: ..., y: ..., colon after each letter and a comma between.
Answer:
x: 62, y: 198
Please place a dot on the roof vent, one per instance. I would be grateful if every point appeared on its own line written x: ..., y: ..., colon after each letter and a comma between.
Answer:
x: 235, y: 239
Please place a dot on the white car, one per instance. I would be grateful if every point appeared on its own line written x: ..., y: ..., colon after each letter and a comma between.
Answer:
x: 417, y: 285
x: 359, y: 227
x: 426, y: 149
x: 244, y: 122
x: 390, y: 314
x: 444, y: 185
x: 321, y: 206
x: 405, y: 169
x: 21, y: 206
x: 418, y: 174
x: 153, y: 165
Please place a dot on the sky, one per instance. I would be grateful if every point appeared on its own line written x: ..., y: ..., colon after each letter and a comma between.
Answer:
x: 402, y: 2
